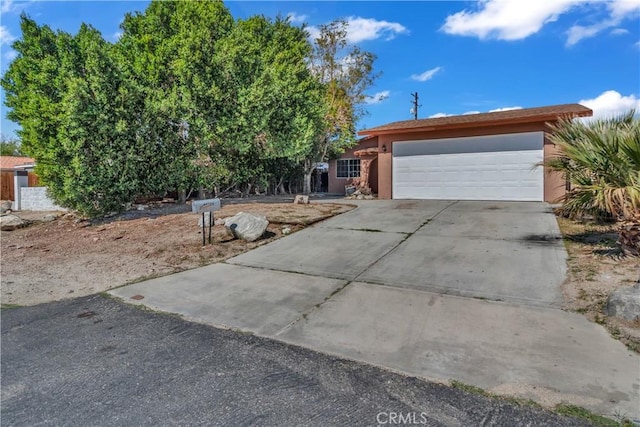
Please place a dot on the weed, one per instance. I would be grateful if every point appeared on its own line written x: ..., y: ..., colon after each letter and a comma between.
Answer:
x: 615, y: 332
x: 596, y: 420
x: 5, y: 306
x: 144, y: 278
x: 561, y: 409
x: 469, y: 388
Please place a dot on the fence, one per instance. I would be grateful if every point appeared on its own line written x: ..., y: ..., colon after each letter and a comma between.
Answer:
x: 6, y: 186
x: 7, y: 190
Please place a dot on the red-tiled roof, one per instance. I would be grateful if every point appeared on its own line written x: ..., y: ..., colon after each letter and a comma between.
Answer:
x: 523, y: 115
x: 10, y: 162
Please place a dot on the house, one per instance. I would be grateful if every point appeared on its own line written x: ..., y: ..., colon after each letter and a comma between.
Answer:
x: 9, y: 165
x: 485, y: 156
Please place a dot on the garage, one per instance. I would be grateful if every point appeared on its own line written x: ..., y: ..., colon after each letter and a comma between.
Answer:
x: 490, y: 167
x: 483, y: 156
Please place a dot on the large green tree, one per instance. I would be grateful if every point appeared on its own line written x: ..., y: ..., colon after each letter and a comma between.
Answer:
x: 74, y: 107
x: 274, y: 108
x: 170, y: 51
x: 10, y: 146
x: 187, y: 98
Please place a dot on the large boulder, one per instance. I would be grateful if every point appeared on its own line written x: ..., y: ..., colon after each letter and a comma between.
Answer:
x: 10, y: 222
x: 625, y: 303
x: 246, y: 226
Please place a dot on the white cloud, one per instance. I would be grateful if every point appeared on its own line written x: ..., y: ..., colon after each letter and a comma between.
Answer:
x: 619, y: 31
x: 362, y: 29
x: 622, y: 8
x: 637, y: 44
x: 294, y: 18
x: 611, y: 103
x: 314, y: 32
x: 8, y: 6
x: 427, y: 75
x: 117, y: 35
x: 579, y: 32
x: 5, y: 36
x: 506, y: 19
x: 505, y: 109
x: 438, y: 115
x: 434, y: 116
x: 377, y: 98
x: 517, y: 19
x: 618, y: 11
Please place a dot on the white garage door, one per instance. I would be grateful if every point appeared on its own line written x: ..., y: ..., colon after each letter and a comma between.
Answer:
x: 495, y: 167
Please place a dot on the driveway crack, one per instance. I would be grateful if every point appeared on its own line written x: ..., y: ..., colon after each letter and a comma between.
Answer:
x: 407, y: 236
x: 313, y: 309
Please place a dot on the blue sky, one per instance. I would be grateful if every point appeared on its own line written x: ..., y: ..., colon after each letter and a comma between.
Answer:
x: 461, y: 57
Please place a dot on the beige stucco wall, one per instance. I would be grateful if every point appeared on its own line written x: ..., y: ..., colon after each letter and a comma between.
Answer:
x: 336, y: 185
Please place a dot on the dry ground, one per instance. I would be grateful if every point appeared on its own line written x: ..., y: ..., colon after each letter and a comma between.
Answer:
x: 597, y: 267
x: 70, y: 257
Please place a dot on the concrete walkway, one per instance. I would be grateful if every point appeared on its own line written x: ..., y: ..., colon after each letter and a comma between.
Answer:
x: 442, y: 290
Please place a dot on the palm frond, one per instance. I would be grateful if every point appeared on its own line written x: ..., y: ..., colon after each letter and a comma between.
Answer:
x: 601, y: 160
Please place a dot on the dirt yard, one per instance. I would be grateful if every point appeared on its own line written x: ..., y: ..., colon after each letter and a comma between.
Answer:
x: 596, y: 268
x: 70, y: 257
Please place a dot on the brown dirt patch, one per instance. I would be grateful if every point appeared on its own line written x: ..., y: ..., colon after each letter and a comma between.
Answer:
x: 71, y: 257
x: 597, y: 267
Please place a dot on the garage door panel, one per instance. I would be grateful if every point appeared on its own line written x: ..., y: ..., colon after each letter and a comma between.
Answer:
x: 502, y: 175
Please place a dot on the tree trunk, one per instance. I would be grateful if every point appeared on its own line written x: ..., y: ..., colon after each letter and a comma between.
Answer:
x: 182, y: 196
x: 279, y: 187
x: 307, y: 182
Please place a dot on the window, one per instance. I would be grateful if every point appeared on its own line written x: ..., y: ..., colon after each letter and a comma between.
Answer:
x: 348, y: 168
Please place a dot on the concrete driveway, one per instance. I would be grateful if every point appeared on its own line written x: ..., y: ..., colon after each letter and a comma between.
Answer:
x: 443, y: 290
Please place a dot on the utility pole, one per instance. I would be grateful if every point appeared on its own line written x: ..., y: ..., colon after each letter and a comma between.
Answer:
x: 414, y: 110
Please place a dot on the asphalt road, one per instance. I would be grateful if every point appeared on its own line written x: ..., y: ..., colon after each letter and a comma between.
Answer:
x: 95, y: 361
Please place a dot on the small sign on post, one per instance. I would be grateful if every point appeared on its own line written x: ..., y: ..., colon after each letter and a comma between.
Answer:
x: 202, y: 206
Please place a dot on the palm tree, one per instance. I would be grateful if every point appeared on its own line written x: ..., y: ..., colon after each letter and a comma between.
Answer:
x: 601, y: 161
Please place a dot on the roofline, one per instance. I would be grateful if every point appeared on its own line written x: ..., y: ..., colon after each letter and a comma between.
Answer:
x: 518, y: 120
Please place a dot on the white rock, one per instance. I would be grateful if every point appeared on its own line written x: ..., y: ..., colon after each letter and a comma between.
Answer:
x: 286, y: 230
x: 625, y: 303
x: 10, y: 222
x: 246, y: 226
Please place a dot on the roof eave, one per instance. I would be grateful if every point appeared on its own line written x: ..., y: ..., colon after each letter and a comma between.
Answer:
x: 521, y: 120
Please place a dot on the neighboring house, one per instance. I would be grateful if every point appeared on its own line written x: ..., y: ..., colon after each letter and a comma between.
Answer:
x: 11, y: 163
x: 8, y: 166
x: 486, y: 156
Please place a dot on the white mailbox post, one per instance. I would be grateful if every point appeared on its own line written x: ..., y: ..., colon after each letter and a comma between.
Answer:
x: 202, y: 206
